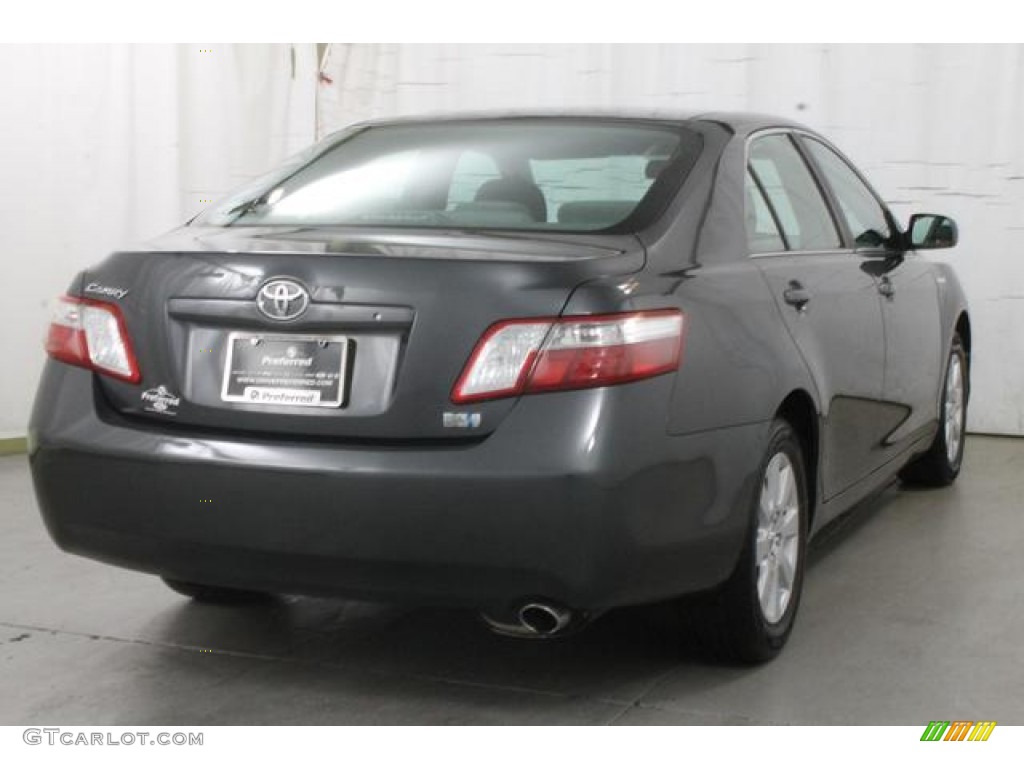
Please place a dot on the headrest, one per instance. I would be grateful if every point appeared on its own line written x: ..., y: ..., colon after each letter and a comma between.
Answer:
x: 515, y: 189
x: 655, y: 167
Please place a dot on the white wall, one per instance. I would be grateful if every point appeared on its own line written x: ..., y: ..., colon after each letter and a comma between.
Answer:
x: 108, y: 144
x: 937, y: 128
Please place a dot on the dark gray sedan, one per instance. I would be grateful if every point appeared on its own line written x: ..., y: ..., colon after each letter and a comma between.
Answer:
x: 539, y: 366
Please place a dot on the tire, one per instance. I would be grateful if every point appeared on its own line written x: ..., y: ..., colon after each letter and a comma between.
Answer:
x: 206, y: 593
x: 940, y: 464
x: 744, y: 620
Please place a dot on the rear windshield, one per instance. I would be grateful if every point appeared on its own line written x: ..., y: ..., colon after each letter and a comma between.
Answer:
x: 568, y: 175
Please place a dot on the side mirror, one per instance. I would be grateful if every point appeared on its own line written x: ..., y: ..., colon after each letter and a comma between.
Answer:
x: 929, y: 231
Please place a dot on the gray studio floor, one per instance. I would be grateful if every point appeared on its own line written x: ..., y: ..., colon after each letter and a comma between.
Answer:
x: 913, y: 611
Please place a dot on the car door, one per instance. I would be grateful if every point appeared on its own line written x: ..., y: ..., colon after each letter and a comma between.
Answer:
x: 830, y: 304
x: 910, y: 299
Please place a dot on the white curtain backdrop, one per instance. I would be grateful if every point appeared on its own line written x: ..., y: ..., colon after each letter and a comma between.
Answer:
x: 937, y: 128
x: 108, y: 144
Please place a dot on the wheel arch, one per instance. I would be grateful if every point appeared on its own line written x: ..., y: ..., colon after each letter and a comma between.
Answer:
x: 799, y: 410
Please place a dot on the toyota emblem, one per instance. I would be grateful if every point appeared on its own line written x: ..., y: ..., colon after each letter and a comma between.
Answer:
x: 282, y: 299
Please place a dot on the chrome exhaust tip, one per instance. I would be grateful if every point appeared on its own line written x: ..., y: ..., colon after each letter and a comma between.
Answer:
x: 534, y: 619
x: 543, y: 619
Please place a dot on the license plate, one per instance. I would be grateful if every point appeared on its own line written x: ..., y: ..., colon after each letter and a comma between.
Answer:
x: 264, y: 369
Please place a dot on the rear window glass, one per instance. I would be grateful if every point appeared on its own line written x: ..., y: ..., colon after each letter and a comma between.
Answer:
x: 573, y: 175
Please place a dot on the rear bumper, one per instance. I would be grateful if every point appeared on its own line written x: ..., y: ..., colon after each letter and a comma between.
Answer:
x: 578, y: 497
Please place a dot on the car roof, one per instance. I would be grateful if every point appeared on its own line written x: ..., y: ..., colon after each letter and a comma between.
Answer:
x: 740, y: 123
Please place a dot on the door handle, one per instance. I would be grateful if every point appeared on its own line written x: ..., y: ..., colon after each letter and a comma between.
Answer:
x: 886, y: 288
x: 796, y: 295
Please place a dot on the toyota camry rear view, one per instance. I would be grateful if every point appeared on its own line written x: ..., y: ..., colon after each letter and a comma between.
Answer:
x: 539, y: 367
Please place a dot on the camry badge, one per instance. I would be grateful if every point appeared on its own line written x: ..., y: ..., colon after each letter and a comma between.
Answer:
x: 106, y: 290
x: 282, y: 299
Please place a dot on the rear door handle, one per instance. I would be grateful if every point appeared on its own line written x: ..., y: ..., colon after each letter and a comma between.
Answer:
x: 796, y: 295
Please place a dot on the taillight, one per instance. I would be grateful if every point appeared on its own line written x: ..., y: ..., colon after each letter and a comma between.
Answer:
x: 515, y: 357
x: 92, y: 334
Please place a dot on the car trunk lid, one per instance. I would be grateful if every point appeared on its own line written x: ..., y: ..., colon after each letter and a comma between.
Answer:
x: 393, y: 317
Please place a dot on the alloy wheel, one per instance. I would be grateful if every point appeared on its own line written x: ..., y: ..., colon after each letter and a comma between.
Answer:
x: 778, y: 538
x: 954, y: 411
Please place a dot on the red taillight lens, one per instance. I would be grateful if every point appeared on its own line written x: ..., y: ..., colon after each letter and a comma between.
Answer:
x: 92, y: 334
x: 545, y: 355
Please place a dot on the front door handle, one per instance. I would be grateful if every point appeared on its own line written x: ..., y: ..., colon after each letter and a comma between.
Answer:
x: 886, y: 288
x: 796, y: 295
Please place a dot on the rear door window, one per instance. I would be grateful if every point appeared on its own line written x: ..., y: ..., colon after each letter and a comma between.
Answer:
x: 763, y: 235
x: 792, y: 193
